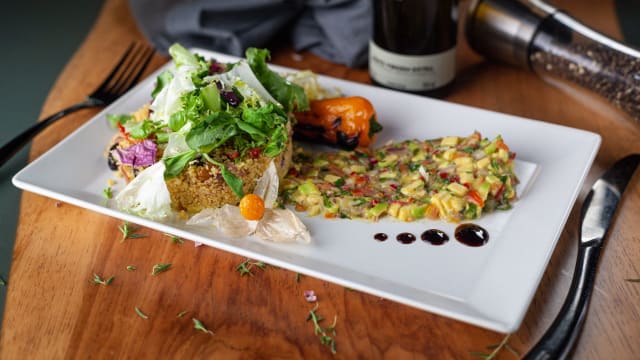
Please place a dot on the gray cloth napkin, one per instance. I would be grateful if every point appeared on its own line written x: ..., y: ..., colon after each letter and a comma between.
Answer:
x: 338, y: 30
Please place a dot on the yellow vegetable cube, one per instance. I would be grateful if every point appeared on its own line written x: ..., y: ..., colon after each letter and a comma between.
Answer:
x: 483, y: 163
x: 450, y: 141
x: 457, y: 189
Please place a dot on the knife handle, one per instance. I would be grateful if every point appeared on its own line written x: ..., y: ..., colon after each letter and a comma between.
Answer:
x: 559, y: 339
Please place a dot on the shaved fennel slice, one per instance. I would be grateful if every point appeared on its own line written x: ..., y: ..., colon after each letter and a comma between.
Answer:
x: 227, y: 219
x: 245, y: 81
x: 267, y: 186
x: 147, y: 195
x: 282, y: 225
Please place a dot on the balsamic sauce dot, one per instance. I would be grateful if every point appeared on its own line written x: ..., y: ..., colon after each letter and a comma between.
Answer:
x: 434, y: 237
x: 380, y: 236
x: 406, y: 238
x: 471, y: 235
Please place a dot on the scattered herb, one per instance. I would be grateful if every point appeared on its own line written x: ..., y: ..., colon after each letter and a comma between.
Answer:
x: 3, y: 282
x: 198, y: 325
x: 496, y: 349
x: 158, y: 268
x: 141, y: 314
x: 326, y: 334
x: 182, y: 313
x: 98, y: 280
x: 107, y: 193
x: 633, y: 280
x: 174, y: 239
x: 298, y: 277
x: 129, y: 232
x: 245, y: 267
x: 131, y: 268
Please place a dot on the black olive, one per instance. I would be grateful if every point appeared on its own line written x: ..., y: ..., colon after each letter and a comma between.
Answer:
x: 111, y: 161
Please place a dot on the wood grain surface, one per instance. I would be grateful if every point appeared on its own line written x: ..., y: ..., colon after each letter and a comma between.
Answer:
x: 54, y: 310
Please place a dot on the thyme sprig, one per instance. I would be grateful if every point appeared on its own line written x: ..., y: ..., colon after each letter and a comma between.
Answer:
x: 159, y: 268
x: 198, y: 325
x: 245, y: 267
x: 326, y: 334
x: 98, y: 280
x: 141, y: 314
x: 504, y: 344
x: 129, y: 232
x: 174, y: 239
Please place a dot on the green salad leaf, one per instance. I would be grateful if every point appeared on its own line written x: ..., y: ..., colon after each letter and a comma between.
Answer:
x: 175, y: 164
x: 140, y: 129
x: 115, y: 119
x: 161, y: 81
x: 214, y: 131
x: 290, y: 95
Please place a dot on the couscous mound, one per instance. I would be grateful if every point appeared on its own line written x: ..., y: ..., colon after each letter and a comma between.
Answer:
x: 201, y: 185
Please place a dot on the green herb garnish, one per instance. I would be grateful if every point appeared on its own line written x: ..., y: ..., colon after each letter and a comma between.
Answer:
x: 141, y: 314
x: 174, y: 239
x: 182, y: 313
x: 3, y: 282
x: 633, y: 280
x: 245, y: 267
x: 339, y: 182
x: 131, y: 268
x: 496, y: 349
x: 198, y: 325
x: 326, y: 334
x: 107, y: 193
x: 129, y: 232
x: 98, y: 280
x: 159, y: 268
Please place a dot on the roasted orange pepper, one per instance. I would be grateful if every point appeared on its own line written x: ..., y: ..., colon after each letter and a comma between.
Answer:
x: 347, y: 122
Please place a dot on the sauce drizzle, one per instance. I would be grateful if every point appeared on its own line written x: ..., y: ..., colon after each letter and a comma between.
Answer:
x: 471, y: 235
x: 406, y: 238
x: 380, y: 236
x: 434, y: 237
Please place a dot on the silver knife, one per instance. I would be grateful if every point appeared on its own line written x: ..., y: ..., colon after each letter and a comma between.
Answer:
x: 598, y: 210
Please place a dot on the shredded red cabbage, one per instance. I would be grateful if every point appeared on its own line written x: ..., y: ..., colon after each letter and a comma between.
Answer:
x: 139, y: 154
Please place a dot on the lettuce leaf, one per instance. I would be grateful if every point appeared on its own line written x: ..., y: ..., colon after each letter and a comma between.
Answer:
x: 147, y: 195
x: 291, y: 96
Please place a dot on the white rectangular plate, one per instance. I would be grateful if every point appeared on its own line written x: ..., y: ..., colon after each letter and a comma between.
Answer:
x: 489, y: 286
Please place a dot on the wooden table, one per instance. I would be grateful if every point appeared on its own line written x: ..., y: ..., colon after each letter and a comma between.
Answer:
x: 54, y: 311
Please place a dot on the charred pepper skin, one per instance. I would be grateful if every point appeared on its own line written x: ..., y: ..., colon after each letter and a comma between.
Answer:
x: 345, y: 122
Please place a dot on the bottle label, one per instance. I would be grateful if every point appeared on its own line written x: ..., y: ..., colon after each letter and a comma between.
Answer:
x: 411, y: 72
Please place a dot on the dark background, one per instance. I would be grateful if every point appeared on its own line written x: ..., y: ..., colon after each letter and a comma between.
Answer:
x: 38, y: 38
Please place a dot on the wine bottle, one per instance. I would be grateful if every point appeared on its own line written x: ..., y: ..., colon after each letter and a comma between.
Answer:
x: 413, y: 45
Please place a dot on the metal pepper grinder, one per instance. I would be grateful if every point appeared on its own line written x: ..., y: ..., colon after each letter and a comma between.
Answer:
x: 566, y: 53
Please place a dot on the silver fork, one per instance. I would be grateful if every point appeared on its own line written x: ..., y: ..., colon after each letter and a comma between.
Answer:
x: 123, y: 77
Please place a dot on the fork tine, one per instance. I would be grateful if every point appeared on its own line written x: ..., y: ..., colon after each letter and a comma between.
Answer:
x: 111, y: 89
x: 118, y: 66
x: 134, y: 71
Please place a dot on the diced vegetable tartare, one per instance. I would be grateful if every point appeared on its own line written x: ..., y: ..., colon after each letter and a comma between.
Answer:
x: 452, y: 178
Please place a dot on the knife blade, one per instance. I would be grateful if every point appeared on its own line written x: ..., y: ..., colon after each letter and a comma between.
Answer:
x: 597, y: 215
